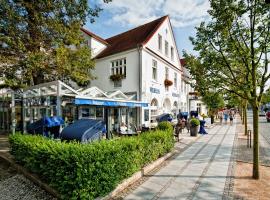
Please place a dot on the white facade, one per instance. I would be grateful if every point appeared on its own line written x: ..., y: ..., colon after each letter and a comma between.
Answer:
x: 147, y: 67
x: 95, y: 45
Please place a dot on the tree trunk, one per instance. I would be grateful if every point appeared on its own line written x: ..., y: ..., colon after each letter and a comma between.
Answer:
x: 212, y: 119
x: 245, y: 117
x: 256, y: 172
x: 243, y: 114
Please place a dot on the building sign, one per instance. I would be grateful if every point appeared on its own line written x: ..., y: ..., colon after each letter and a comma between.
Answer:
x: 109, y: 103
x: 154, y: 90
x: 175, y: 95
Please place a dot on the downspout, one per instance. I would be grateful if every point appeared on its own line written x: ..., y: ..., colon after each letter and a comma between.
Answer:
x: 139, y: 47
x: 139, y: 117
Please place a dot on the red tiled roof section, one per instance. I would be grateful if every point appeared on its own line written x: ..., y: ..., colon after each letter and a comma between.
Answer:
x: 132, y: 38
x: 94, y: 36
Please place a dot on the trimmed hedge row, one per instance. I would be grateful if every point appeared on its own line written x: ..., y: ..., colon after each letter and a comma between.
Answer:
x: 87, y: 171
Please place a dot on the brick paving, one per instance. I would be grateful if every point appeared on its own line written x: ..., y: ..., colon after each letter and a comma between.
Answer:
x: 199, y: 172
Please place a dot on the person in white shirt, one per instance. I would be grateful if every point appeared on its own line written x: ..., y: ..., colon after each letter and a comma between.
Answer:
x: 123, y: 128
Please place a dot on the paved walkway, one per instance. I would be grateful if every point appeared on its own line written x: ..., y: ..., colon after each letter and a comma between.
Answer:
x: 200, y: 172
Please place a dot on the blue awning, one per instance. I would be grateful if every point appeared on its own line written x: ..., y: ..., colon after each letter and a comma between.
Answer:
x: 80, y: 101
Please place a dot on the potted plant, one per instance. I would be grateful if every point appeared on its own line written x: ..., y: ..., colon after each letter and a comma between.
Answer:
x: 116, y: 77
x: 194, y: 127
x: 167, y: 82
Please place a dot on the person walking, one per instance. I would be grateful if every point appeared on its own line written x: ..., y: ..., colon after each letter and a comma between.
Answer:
x: 231, y: 117
x: 178, y: 130
x: 226, y: 116
x: 220, y: 116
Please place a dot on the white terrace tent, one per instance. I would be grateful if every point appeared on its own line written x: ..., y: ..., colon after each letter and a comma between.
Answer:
x: 58, y: 99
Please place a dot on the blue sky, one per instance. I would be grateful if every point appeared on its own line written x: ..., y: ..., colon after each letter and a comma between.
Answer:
x: 122, y: 15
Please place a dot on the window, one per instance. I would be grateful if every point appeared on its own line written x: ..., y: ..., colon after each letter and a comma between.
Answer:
x: 154, y: 70
x: 99, y: 112
x: 159, y: 42
x: 172, y: 53
x: 119, y: 67
x: 175, y: 80
x: 89, y: 112
x: 146, y: 115
x: 166, y: 73
x: 182, y: 86
x: 166, y: 48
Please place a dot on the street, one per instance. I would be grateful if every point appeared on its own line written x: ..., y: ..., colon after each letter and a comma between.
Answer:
x: 245, y: 154
x: 264, y: 129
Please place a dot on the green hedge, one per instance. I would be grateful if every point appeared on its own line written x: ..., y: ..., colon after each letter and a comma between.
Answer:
x: 87, y: 171
x: 165, y: 125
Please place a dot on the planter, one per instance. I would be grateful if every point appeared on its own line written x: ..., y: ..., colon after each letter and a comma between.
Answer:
x: 194, y: 131
x: 116, y: 77
x: 168, y: 83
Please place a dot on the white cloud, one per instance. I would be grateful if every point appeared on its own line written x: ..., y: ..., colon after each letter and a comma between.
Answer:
x: 133, y: 12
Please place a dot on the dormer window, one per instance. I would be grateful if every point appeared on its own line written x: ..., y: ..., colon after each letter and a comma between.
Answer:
x: 159, y: 42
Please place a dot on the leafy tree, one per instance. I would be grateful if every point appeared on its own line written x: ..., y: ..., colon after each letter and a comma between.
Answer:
x: 234, y: 45
x: 40, y: 40
x: 214, y: 102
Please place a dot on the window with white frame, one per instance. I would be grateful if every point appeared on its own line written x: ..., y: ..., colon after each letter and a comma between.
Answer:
x: 159, y: 42
x: 166, y: 48
x: 175, y: 80
x: 119, y: 67
x: 166, y: 73
x: 182, y: 85
x: 172, y: 53
x: 154, y: 70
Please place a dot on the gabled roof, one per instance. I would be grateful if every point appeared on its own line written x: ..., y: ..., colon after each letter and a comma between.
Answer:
x: 93, y: 92
x: 117, y: 95
x: 94, y: 36
x: 132, y: 38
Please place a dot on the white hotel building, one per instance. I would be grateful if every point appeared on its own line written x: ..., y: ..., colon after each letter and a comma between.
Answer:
x: 145, y: 56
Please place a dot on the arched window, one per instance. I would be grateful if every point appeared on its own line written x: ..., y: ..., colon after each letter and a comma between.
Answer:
x: 167, y: 105
x: 154, y: 108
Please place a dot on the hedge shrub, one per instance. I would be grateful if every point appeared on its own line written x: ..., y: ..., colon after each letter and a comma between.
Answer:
x: 87, y: 171
x: 165, y: 125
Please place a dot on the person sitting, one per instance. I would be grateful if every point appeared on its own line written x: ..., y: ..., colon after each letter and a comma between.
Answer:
x: 123, y: 128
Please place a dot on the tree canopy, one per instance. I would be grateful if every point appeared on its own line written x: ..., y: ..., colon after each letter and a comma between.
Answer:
x: 40, y: 40
x: 234, y: 49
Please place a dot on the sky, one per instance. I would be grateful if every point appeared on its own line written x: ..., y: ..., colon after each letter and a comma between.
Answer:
x: 121, y: 15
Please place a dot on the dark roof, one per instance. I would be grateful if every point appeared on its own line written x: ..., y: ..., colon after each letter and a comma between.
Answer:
x: 94, y: 36
x: 132, y: 38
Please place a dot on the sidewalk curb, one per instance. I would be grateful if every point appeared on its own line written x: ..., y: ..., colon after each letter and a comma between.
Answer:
x: 30, y: 176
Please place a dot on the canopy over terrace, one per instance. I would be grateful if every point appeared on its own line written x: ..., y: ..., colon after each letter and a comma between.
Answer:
x: 117, y: 108
x: 47, y: 99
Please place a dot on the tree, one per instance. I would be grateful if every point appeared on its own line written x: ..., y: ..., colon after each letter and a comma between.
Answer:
x: 234, y: 46
x: 214, y: 102
x: 206, y: 89
x: 40, y: 40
